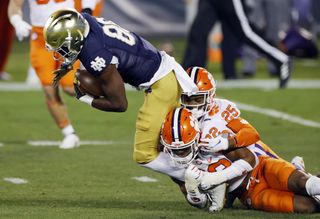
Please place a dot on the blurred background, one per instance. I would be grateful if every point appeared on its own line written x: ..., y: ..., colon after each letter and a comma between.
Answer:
x: 98, y: 179
x: 166, y: 24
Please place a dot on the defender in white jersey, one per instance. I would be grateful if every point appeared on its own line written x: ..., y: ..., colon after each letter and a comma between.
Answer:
x: 42, y: 61
x: 261, y: 182
x: 220, y: 122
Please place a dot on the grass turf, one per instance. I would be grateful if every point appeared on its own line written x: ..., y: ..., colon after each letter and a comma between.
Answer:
x: 96, y: 181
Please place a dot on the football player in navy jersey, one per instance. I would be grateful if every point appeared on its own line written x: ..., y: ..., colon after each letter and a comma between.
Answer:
x: 116, y: 56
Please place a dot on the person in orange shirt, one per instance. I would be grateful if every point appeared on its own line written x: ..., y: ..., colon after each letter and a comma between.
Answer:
x: 42, y: 61
x: 6, y: 39
x: 98, y: 7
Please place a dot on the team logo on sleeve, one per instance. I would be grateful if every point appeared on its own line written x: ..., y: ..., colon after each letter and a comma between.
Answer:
x: 98, y: 63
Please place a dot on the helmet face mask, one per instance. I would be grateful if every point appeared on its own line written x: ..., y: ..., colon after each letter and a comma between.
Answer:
x: 185, y: 154
x: 64, y: 33
x: 180, y: 136
x: 202, y: 101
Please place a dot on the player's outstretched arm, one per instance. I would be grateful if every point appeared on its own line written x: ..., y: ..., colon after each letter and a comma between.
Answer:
x: 243, y: 162
x: 246, y: 134
x: 115, y: 99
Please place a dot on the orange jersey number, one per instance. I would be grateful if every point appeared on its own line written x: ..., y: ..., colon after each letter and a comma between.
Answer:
x: 44, y: 2
x: 219, y: 165
x: 214, y: 132
x: 229, y: 114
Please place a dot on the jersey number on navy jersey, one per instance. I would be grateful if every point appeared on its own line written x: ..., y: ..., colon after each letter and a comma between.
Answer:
x: 115, y: 31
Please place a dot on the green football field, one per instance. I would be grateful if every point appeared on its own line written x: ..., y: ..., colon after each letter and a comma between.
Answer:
x: 100, y: 179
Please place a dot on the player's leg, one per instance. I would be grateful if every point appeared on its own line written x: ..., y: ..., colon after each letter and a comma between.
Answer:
x: 43, y: 63
x: 282, y: 175
x: 305, y: 184
x: 305, y: 204
x: 196, y: 51
x: 233, y: 13
x: 296, y: 161
x: 6, y: 39
x: 163, y: 96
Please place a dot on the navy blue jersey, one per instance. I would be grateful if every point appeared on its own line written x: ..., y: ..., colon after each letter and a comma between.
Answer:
x: 138, y: 59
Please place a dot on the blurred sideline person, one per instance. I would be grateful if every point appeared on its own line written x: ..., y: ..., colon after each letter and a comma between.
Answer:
x: 231, y: 13
x: 271, y: 18
x: 42, y: 60
x: 6, y: 39
x: 97, y: 6
x: 259, y: 181
x: 116, y: 56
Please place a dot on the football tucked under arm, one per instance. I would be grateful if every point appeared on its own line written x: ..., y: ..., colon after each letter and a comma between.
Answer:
x: 88, y: 84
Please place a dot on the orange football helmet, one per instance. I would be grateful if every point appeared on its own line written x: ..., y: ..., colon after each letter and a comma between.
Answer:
x: 180, y: 135
x: 202, y: 101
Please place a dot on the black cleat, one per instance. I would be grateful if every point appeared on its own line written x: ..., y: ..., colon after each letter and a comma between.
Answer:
x: 285, y: 73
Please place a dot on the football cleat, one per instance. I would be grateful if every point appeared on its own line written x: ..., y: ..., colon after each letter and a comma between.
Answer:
x: 70, y: 141
x: 285, y: 73
x: 4, y: 76
x: 298, y: 163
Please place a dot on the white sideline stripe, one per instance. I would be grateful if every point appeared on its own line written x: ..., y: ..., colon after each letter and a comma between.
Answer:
x: 15, y: 180
x: 279, y: 114
x: 270, y: 84
x: 56, y: 143
x: 144, y: 179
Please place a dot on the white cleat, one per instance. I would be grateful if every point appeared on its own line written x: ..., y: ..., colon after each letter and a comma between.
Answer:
x: 316, y: 198
x: 298, y: 163
x: 70, y: 141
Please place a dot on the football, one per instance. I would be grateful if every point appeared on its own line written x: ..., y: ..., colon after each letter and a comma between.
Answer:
x: 88, y: 84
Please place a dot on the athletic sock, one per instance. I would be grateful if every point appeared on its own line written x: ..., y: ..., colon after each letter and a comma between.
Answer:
x: 68, y: 130
x: 313, y: 186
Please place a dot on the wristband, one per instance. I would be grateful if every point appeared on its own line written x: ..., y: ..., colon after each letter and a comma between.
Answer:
x: 86, y: 99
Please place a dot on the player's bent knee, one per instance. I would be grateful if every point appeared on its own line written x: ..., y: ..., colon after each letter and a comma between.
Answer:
x: 304, y: 204
x: 144, y: 157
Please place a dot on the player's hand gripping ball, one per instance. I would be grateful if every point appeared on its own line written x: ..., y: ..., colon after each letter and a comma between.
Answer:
x: 85, y: 83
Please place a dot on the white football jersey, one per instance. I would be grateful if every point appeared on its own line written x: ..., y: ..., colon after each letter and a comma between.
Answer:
x: 40, y: 10
x: 218, y: 162
x: 215, y: 122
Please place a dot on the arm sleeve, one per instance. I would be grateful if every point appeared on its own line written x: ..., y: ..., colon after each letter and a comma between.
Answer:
x: 246, y: 134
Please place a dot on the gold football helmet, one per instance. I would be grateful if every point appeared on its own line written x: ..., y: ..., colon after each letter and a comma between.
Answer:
x: 203, y: 100
x: 180, y: 135
x: 64, y: 33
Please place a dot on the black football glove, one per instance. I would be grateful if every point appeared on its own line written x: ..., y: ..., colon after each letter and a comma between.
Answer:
x: 77, y: 90
x: 80, y: 95
x: 59, y: 73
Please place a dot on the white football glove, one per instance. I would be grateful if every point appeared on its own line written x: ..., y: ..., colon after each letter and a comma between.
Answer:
x: 217, y: 197
x: 199, y: 200
x: 22, y: 28
x: 193, y: 178
x: 210, y: 180
x: 214, y: 145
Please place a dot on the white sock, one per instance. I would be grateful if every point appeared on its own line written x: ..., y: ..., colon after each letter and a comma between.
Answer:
x: 313, y: 186
x: 164, y: 164
x: 68, y: 130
